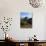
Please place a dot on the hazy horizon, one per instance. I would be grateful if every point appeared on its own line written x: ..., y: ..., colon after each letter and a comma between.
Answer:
x: 26, y: 14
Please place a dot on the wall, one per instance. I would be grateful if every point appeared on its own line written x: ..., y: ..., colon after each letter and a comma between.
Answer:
x: 12, y: 8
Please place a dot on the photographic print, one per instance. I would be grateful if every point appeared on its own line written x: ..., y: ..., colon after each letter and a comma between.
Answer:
x: 25, y: 20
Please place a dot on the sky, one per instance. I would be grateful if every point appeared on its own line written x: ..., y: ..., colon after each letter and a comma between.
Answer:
x: 26, y: 14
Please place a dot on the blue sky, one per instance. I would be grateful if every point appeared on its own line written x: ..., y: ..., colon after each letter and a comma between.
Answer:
x: 26, y: 14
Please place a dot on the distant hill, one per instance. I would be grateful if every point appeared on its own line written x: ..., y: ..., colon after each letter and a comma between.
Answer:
x: 26, y: 22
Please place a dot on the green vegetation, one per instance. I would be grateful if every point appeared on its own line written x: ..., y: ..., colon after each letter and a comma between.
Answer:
x: 26, y: 22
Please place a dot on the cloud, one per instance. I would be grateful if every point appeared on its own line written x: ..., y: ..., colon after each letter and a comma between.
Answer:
x: 26, y: 14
